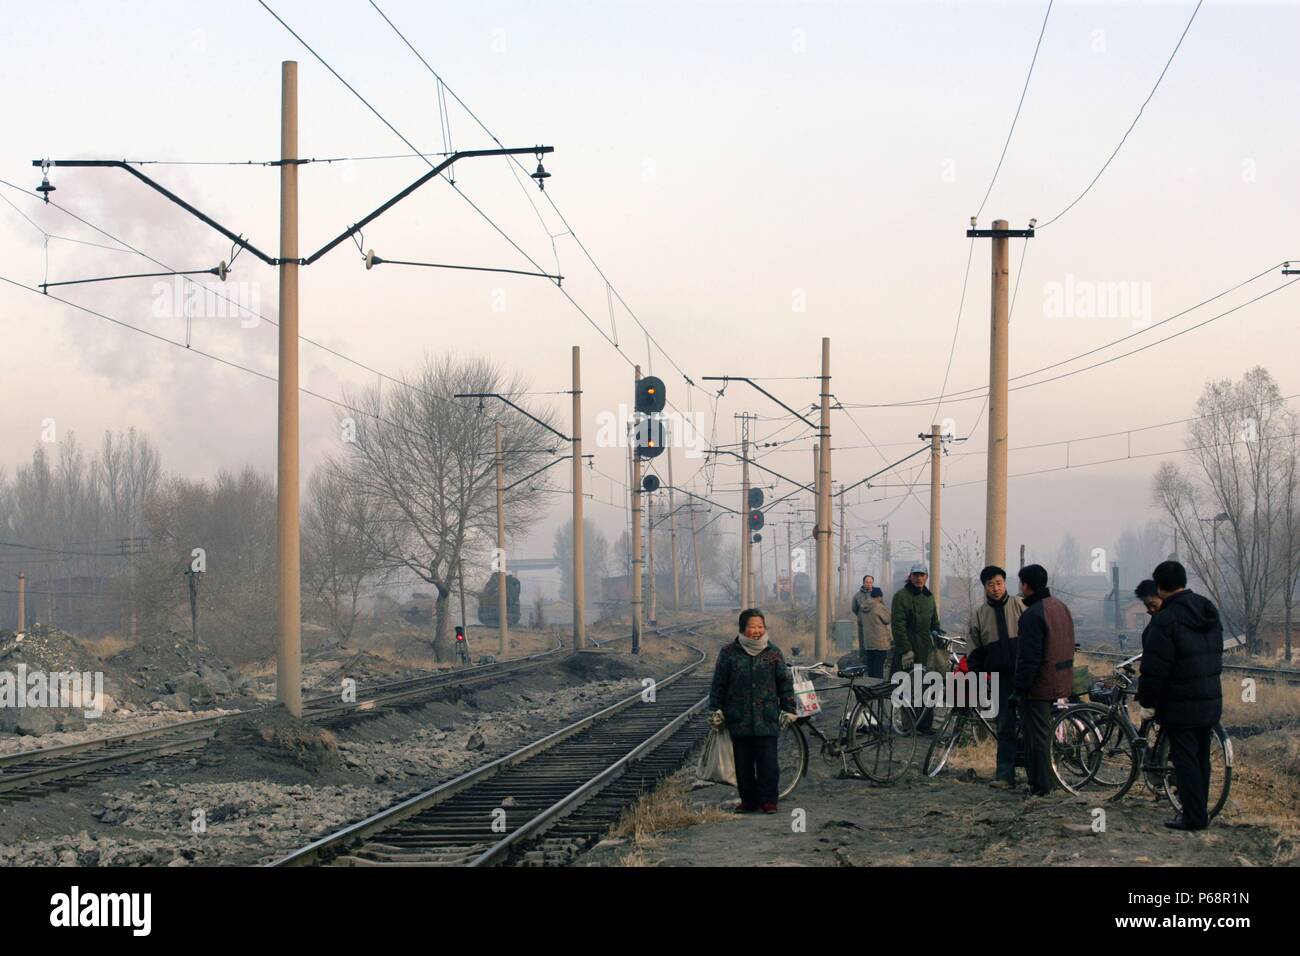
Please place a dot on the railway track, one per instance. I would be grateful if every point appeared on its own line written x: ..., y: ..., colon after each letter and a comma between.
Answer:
x: 544, y: 802
x: 1279, y: 674
x: 32, y: 774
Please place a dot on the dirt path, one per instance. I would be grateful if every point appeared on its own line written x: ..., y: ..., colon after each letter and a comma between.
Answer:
x: 951, y: 820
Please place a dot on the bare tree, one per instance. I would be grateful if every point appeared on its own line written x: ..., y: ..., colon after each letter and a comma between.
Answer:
x: 425, y: 463
x: 1226, y: 504
x: 595, y: 554
x: 337, y: 564
x: 965, y: 558
x: 1068, y: 561
x: 1288, y: 541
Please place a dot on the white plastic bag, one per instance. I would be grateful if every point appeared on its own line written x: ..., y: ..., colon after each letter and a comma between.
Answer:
x: 718, y: 759
x: 805, y: 695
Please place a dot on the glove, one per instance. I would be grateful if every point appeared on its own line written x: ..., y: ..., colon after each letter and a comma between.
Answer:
x: 907, y: 660
x: 787, y: 718
x: 716, y: 720
x: 1147, y: 713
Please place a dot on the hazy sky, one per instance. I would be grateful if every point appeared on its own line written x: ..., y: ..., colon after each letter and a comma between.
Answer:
x: 750, y: 176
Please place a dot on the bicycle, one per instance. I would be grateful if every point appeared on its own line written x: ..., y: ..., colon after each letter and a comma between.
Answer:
x: 961, y: 726
x: 1098, y: 743
x: 880, y: 737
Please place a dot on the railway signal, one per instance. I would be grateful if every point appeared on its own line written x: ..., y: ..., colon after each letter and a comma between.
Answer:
x: 650, y: 395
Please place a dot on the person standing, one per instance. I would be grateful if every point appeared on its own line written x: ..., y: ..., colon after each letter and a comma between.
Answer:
x: 1182, y: 660
x: 1044, y: 671
x: 994, y: 634
x: 877, y: 634
x: 753, y: 695
x: 913, y: 619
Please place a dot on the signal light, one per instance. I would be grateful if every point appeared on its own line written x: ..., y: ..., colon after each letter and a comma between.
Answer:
x: 650, y: 483
x: 757, y: 537
x: 650, y: 395
x: 460, y: 634
x: 756, y: 497
x: 755, y: 520
x: 650, y: 436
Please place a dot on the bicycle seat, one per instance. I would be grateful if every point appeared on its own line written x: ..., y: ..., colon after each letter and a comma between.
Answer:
x: 853, y: 670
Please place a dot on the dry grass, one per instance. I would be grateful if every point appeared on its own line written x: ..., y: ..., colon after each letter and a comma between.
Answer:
x: 1274, y: 703
x: 108, y: 645
x: 666, y: 808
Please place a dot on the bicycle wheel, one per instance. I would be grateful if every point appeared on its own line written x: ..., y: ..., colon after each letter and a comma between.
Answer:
x: 1220, y: 781
x: 1090, y: 746
x: 882, y: 739
x: 945, y: 741
x: 791, y: 758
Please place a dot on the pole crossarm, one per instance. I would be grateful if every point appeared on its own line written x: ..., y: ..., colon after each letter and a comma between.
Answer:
x: 534, y: 474
x: 243, y: 243
x: 877, y: 474
x: 725, y: 379
x: 517, y: 408
x: 377, y: 261
x: 797, y: 484
x: 692, y: 494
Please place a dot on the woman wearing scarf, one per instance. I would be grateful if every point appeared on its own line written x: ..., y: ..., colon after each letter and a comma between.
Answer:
x: 753, y: 694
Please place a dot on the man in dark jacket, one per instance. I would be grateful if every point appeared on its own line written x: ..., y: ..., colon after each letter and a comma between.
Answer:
x: 1044, y: 671
x: 753, y: 694
x: 913, y: 618
x: 995, y: 637
x: 1182, y: 658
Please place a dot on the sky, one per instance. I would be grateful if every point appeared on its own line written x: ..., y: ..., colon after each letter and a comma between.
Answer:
x: 748, y: 176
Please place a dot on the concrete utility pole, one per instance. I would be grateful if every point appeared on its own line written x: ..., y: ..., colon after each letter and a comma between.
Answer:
x: 995, y: 505
x: 503, y: 641
x: 672, y: 532
x: 815, y: 579
x: 844, y: 558
x: 789, y: 560
x: 635, y: 491
x: 936, y: 453
x: 650, y: 557
x: 288, y: 671
x: 776, y: 568
x: 822, y: 642
x: 1114, y: 581
x: 1022, y: 556
x: 22, y: 604
x: 886, y: 560
x: 579, y: 529
x: 695, y: 559
x: 745, y: 598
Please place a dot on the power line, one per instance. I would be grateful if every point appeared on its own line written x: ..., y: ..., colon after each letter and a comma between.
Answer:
x: 1023, y: 91
x: 1135, y: 120
x: 982, y: 390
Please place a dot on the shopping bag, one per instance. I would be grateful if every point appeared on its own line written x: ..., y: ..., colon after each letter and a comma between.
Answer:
x: 805, y: 695
x: 717, y: 760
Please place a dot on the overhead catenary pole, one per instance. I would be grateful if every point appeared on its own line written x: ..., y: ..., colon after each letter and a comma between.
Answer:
x: 695, y: 560
x: 22, y: 604
x: 288, y: 670
x: 822, y: 643
x: 579, y: 535
x: 745, y: 601
x: 672, y: 530
x: 650, y: 558
x: 503, y: 637
x: 635, y: 492
x: 935, y: 539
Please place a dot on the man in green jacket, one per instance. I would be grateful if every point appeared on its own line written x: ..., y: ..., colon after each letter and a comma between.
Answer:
x: 914, y: 617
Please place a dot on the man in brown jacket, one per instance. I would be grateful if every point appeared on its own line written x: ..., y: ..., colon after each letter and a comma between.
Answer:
x: 994, y: 634
x: 1044, y: 671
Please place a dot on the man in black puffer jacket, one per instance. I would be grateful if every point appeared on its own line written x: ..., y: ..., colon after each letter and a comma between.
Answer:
x: 1182, y: 658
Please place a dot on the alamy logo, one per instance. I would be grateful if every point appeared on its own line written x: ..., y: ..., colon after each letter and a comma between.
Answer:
x: 922, y: 688
x: 103, y: 909
x: 39, y: 689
